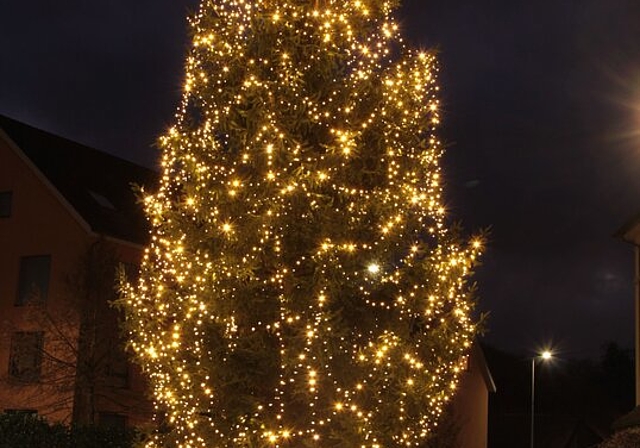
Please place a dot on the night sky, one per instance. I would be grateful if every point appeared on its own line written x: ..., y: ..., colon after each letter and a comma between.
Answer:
x: 541, y: 118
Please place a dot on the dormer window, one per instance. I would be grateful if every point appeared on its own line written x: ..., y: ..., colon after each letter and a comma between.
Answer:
x: 5, y: 203
x: 102, y: 200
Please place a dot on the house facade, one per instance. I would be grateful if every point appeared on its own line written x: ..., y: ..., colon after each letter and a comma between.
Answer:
x: 471, y: 404
x: 630, y: 233
x: 68, y: 217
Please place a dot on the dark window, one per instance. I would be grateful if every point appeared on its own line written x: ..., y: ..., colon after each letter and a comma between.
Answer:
x: 131, y: 271
x: 5, y: 203
x: 25, y: 361
x: 117, y: 368
x: 111, y: 420
x: 102, y: 200
x: 33, y: 282
x: 21, y: 411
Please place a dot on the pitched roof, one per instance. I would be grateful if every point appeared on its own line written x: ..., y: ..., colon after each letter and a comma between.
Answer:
x: 97, y: 185
x: 478, y: 351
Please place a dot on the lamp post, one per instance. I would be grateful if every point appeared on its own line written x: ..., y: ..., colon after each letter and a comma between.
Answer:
x: 544, y: 356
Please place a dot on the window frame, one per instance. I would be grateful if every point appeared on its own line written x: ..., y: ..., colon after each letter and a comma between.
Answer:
x: 117, y: 367
x: 31, y: 372
x: 23, y: 296
x: 6, y: 203
x: 113, y: 420
x: 20, y: 411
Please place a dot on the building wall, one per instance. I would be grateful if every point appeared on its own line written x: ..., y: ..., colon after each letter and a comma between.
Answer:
x: 38, y: 225
x: 471, y: 404
x: 42, y: 224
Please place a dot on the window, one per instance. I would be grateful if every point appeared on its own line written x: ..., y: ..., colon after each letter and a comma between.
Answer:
x: 131, y: 271
x: 25, y: 360
x: 102, y: 200
x: 117, y: 366
x: 33, y: 282
x: 111, y: 420
x: 467, y: 363
x: 5, y: 203
x: 21, y: 411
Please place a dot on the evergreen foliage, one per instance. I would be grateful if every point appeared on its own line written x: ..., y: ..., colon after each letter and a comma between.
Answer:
x: 19, y: 430
x: 302, y: 287
x: 627, y: 438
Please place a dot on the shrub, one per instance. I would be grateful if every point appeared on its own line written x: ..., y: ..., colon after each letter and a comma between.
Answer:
x: 28, y: 430
x: 627, y: 438
x: 31, y: 431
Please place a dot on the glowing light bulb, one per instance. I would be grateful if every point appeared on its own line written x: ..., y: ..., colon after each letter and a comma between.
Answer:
x: 373, y: 268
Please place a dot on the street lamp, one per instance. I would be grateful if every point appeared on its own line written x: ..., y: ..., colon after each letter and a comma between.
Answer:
x: 544, y: 356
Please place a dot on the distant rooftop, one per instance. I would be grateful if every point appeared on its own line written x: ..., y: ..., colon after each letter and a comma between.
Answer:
x: 97, y: 185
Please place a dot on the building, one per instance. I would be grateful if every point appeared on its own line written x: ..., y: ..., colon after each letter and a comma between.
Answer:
x: 68, y: 217
x: 471, y: 404
x: 630, y: 232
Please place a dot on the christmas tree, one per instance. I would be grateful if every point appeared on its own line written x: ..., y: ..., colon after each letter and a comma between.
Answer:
x: 301, y: 287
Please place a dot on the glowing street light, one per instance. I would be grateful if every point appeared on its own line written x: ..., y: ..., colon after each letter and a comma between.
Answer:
x: 544, y: 356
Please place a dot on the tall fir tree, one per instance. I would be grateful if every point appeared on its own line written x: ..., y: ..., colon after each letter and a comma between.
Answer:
x: 301, y: 287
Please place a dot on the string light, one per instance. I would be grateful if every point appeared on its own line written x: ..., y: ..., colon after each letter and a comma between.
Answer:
x: 303, y: 149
